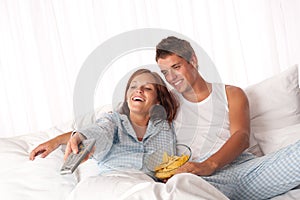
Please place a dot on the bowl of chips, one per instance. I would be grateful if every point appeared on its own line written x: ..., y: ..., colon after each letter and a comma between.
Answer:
x: 165, y: 164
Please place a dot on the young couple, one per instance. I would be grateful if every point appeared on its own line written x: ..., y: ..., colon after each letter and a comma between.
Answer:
x: 212, y: 118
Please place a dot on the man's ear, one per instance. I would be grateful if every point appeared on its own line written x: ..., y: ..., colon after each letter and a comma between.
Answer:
x: 194, y: 61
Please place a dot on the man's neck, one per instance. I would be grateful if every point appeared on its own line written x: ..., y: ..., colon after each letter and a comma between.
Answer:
x: 199, y: 91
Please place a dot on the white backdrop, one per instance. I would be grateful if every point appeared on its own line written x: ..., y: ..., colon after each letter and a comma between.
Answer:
x: 43, y: 45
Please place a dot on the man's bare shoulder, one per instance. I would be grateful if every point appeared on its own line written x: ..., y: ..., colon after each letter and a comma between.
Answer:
x: 233, y: 89
x: 235, y: 93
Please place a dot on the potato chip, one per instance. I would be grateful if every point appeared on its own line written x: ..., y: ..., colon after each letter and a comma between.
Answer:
x: 165, y: 157
x: 167, y: 168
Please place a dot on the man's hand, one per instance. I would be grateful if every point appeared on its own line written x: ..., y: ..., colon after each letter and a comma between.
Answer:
x: 205, y: 168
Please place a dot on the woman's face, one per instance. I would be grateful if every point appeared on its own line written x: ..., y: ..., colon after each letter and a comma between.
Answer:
x: 141, y: 94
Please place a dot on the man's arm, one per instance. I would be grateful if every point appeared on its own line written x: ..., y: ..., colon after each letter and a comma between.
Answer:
x: 239, y: 119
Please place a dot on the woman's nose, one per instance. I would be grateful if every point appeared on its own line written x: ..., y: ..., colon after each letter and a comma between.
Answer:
x: 139, y: 90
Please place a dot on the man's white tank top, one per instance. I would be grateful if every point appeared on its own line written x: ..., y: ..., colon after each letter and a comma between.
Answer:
x: 203, y: 126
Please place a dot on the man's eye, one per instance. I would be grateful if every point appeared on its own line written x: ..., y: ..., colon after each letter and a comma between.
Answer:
x: 176, y: 66
x: 132, y: 87
x: 164, y: 73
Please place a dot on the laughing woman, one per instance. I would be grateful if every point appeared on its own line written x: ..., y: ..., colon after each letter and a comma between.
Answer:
x: 124, y: 138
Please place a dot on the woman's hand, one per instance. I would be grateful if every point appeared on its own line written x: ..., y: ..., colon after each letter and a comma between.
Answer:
x: 205, y: 168
x: 73, y: 143
x: 46, y: 148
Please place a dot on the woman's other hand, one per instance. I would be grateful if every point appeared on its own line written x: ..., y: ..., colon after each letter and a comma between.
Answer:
x: 46, y: 148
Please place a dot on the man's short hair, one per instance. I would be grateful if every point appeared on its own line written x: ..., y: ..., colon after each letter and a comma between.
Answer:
x: 173, y: 45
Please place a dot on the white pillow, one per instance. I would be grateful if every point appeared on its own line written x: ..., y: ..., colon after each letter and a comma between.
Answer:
x: 273, y: 140
x: 91, y: 117
x: 274, y: 106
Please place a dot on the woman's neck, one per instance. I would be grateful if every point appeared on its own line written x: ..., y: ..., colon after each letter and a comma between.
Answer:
x: 139, y: 124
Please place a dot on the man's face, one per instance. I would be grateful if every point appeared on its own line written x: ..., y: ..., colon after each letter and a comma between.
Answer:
x: 178, y: 72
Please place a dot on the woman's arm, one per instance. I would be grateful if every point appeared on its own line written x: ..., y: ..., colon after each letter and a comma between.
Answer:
x: 46, y: 148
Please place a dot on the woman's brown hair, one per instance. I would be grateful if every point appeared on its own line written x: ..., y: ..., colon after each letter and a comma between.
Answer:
x: 164, y: 96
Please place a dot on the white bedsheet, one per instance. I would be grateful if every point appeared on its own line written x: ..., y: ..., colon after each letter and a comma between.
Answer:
x: 136, y: 185
x: 22, y: 179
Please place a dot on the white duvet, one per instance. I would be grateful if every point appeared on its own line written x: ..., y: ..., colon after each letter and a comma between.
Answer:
x: 22, y: 179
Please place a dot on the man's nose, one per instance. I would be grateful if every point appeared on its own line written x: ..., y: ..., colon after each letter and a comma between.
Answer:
x: 172, y: 74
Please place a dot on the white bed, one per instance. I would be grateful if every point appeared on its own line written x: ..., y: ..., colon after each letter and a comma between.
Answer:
x: 275, y: 123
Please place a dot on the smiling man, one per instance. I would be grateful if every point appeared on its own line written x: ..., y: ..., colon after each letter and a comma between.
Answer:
x: 213, y: 119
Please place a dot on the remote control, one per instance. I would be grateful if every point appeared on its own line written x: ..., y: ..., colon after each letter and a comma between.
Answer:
x: 73, y: 160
